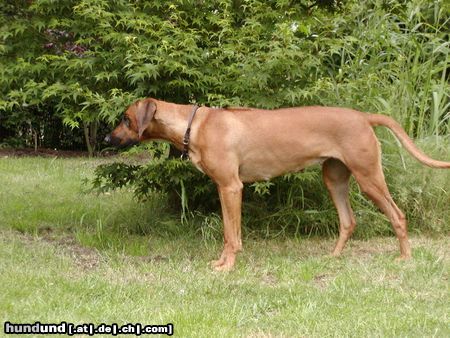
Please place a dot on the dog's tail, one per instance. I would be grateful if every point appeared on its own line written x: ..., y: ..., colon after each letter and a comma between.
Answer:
x: 383, y: 120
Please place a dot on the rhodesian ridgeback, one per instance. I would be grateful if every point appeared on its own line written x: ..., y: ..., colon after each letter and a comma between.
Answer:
x: 235, y: 146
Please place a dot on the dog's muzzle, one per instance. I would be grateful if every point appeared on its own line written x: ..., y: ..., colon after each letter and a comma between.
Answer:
x: 119, y: 143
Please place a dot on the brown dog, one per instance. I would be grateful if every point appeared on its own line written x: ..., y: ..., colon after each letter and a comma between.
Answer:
x: 233, y: 146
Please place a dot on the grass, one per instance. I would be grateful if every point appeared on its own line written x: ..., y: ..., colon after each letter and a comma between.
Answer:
x: 71, y: 256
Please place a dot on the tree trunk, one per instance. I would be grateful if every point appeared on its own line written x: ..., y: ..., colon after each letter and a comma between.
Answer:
x: 87, y: 139
x: 90, y: 136
x: 35, y: 139
x: 34, y: 135
x: 93, y: 127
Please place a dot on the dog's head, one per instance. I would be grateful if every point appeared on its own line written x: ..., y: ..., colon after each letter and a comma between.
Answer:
x: 132, y: 129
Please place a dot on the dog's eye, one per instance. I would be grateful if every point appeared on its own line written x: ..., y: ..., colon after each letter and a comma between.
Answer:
x: 126, y: 121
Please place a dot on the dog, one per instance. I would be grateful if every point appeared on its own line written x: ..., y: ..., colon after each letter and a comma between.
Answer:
x: 235, y: 146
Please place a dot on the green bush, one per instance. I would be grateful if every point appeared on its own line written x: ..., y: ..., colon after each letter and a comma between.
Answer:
x: 84, y: 61
x: 294, y: 203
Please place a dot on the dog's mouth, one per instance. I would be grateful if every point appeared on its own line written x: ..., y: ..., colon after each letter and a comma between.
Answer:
x: 120, y: 143
x: 127, y: 144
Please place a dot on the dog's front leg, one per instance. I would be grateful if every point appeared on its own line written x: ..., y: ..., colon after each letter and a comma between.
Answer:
x: 231, y: 201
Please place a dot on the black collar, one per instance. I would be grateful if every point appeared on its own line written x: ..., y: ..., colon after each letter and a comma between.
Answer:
x: 187, y: 134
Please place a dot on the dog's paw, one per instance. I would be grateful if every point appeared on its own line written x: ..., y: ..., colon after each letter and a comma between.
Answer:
x: 403, y: 258
x: 225, y: 267
x: 224, y: 263
x: 335, y: 254
x: 217, y: 262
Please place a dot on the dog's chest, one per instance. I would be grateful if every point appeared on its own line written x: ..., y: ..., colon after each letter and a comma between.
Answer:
x: 196, y: 161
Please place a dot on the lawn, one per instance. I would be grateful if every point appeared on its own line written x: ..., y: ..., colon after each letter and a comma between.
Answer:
x: 68, y: 255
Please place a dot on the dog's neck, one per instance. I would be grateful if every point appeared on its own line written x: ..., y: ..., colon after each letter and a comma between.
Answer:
x: 172, y: 122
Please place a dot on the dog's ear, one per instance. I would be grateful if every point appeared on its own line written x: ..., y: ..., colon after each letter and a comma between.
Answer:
x: 144, y: 114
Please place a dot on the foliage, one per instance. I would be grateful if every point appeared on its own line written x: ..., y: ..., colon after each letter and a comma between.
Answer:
x: 85, y: 60
x: 173, y: 177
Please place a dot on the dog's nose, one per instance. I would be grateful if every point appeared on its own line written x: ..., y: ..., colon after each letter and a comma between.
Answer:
x: 108, y: 138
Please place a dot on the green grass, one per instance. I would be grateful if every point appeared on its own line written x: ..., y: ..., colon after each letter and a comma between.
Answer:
x: 70, y: 256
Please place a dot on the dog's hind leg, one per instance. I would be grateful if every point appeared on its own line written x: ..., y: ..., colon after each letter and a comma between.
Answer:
x: 374, y: 186
x: 336, y: 177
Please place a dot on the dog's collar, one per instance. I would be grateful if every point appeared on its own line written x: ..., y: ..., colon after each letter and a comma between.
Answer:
x: 187, y: 134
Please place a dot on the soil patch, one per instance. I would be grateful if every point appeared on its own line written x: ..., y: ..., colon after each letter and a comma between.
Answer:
x: 45, y: 152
